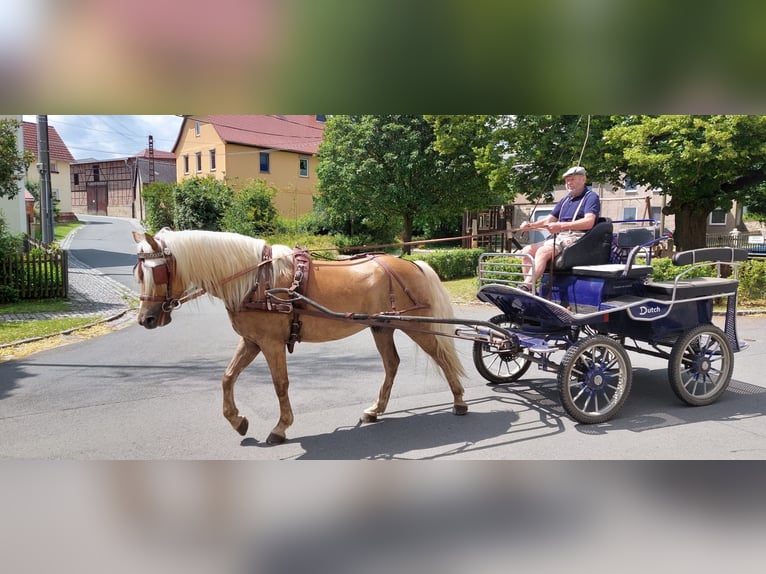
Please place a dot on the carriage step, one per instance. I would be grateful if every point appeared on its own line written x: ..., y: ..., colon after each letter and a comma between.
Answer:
x: 537, y: 345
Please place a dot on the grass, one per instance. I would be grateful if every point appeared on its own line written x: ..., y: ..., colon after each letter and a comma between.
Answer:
x: 61, y: 230
x: 44, y: 306
x: 463, y: 290
x: 21, y: 330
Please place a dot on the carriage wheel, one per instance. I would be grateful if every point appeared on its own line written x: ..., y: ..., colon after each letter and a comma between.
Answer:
x: 594, y: 379
x: 700, y: 367
x: 500, y: 366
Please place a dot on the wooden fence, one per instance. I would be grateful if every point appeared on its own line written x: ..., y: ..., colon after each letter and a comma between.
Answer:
x: 35, y: 275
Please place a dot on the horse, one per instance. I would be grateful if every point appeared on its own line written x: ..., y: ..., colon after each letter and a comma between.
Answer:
x: 261, y: 285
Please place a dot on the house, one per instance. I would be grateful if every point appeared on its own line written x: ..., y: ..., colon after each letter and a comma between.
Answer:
x: 60, y: 161
x: 111, y: 186
x: 279, y: 149
x: 13, y: 211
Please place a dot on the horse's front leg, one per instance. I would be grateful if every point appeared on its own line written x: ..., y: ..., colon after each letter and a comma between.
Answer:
x: 243, y: 356
x: 276, y: 357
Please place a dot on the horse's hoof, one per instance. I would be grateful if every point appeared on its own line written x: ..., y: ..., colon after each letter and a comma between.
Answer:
x: 460, y: 409
x: 368, y: 418
x: 274, y: 438
x: 242, y: 427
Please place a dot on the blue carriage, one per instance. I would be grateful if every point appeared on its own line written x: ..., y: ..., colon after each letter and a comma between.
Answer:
x: 596, y: 303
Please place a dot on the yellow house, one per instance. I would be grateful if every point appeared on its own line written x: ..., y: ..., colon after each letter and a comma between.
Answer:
x: 281, y: 150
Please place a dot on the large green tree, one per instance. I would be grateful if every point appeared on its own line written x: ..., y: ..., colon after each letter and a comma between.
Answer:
x: 527, y: 154
x: 13, y: 163
x: 700, y: 162
x: 385, y: 169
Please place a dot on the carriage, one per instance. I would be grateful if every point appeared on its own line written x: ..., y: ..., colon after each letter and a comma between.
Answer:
x: 594, y: 314
x: 596, y: 303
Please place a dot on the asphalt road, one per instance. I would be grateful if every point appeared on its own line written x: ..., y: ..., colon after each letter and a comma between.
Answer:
x: 138, y: 394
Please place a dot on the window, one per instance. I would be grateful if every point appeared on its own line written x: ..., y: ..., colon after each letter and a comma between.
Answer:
x: 303, y: 167
x: 76, y: 178
x: 196, y: 129
x: 199, y: 161
x: 54, y: 167
x: 264, y: 162
x: 212, y: 160
x: 629, y: 213
x: 657, y: 213
x: 629, y: 185
x: 718, y: 217
x: 96, y: 173
x: 186, y: 164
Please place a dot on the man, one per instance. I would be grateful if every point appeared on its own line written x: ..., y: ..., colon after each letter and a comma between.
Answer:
x: 572, y: 216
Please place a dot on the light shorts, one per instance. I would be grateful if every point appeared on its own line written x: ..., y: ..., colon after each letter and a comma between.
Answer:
x: 564, y: 239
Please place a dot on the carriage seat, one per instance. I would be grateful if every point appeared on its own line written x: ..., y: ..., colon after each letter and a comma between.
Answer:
x: 692, y: 287
x: 593, y: 248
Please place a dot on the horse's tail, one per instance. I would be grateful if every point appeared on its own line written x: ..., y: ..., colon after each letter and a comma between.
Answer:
x: 441, y: 306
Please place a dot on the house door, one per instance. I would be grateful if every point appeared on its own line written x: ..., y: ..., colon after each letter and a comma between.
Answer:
x: 97, y: 198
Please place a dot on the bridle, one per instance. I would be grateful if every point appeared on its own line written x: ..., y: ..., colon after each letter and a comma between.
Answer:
x: 162, y: 274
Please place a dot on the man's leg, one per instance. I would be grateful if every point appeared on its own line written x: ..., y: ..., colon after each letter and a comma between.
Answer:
x: 530, y: 252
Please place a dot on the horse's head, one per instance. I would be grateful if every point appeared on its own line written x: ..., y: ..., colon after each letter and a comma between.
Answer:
x: 161, y: 289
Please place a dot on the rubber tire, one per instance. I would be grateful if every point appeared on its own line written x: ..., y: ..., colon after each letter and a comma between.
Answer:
x: 499, y: 360
x: 684, y: 365
x: 575, y: 403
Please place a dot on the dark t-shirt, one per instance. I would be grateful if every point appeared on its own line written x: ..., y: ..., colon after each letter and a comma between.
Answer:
x: 567, y: 208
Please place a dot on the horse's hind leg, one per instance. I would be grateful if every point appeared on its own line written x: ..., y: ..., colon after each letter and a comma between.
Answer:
x: 243, y: 356
x: 384, y: 341
x: 442, y: 351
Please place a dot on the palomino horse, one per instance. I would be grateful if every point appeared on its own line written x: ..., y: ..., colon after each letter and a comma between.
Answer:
x: 175, y: 266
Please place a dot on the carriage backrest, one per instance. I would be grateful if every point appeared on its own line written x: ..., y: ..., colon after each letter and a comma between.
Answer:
x: 711, y: 254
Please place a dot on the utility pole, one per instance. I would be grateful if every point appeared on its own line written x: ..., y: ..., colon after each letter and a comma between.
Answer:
x: 44, y: 167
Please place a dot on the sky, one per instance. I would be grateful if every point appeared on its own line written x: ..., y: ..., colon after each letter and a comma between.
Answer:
x: 108, y: 137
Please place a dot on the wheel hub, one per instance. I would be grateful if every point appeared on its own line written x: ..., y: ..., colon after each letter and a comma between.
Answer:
x: 596, y: 379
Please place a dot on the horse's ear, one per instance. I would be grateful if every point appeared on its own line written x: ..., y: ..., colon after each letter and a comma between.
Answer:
x: 148, y: 238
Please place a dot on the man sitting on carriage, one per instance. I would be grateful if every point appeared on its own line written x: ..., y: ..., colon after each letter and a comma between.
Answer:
x: 572, y: 216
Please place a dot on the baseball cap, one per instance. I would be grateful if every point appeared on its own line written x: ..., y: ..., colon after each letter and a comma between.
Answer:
x: 576, y: 170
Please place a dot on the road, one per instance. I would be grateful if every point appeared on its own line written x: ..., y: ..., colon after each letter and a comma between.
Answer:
x: 138, y: 394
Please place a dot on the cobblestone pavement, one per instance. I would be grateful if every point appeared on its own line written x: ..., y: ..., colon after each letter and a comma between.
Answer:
x: 91, y: 294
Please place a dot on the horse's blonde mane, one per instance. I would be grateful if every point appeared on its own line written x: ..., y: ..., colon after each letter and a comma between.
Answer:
x: 205, y: 258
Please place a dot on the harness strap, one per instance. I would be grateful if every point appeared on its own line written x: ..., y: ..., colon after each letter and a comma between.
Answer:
x: 392, y: 275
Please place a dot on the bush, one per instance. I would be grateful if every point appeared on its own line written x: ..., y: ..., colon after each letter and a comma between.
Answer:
x: 752, y: 279
x: 251, y: 211
x: 200, y: 203
x: 10, y: 244
x: 8, y: 294
x: 160, y: 205
x: 451, y: 264
x: 664, y: 270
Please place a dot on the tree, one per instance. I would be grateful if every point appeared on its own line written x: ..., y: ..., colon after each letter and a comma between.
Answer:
x: 700, y: 162
x: 200, y: 203
x: 13, y: 164
x: 527, y: 154
x: 386, y: 170
x: 252, y: 210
